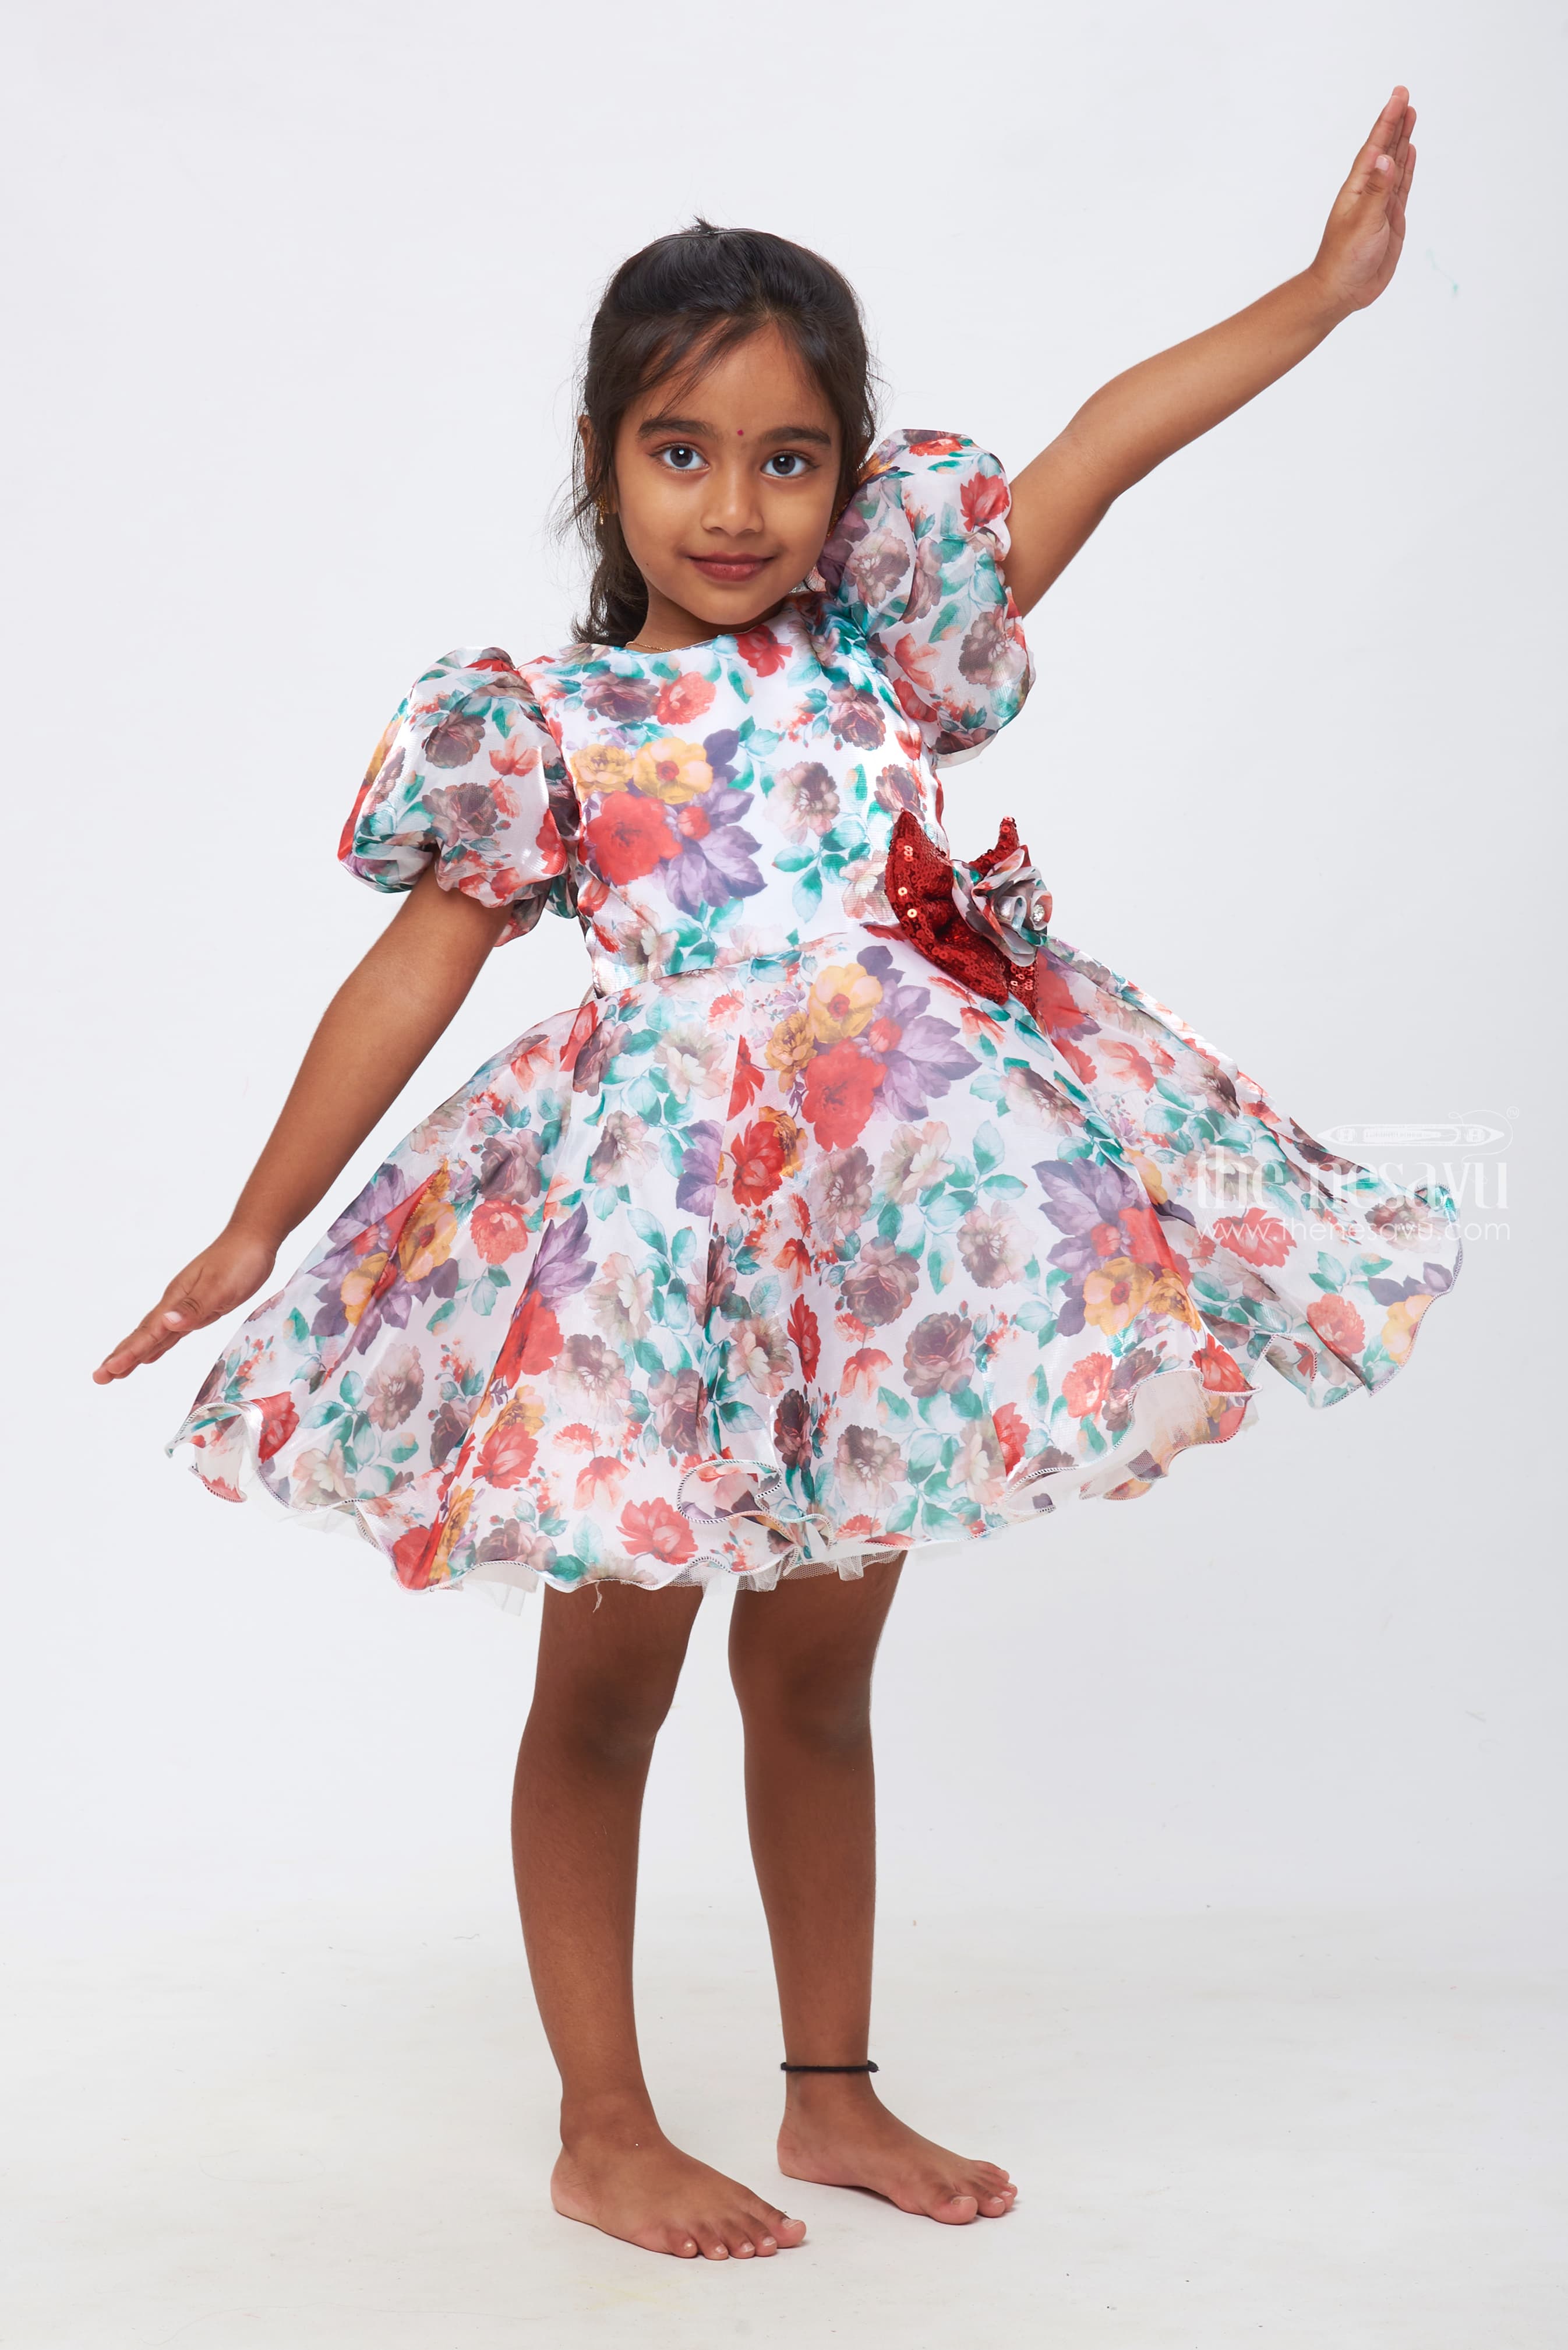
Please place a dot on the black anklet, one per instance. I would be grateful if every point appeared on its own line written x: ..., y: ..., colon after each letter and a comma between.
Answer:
x: 867, y: 2067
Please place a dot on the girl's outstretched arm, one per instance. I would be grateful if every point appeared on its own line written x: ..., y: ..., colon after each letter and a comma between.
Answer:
x: 373, y: 1035
x: 1138, y: 419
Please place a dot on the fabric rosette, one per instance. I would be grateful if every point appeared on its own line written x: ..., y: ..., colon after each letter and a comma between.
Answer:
x: 984, y: 923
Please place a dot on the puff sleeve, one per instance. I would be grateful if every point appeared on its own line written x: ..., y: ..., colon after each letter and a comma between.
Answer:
x: 912, y: 565
x: 468, y: 775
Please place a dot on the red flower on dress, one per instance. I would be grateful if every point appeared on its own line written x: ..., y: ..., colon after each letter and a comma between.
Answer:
x: 1339, y: 1326
x: 682, y: 700
x: 1255, y: 1238
x: 499, y: 1229
x: 759, y: 1157
x: 598, y: 1484
x: 749, y: 1079
x: 864, y: 1369
x: 1223, y: 1374
x: 410, y: 1554
x: 507, y: 1453
x: 761, y: 650
x: 655, y: 1527
x: 840, y: 1086
x: 628, y: 836
x: 532, y: 1341
x: 279, y: 1420
x: 1087, y: 1385
x: 982, y: 497
x: 794, y: 1258
x: 802, y: 1329
x: 1012, y: 1434
x: 1145, y: 1236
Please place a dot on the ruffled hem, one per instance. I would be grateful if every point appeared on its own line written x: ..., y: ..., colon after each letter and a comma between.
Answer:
x: 1172, y: 1411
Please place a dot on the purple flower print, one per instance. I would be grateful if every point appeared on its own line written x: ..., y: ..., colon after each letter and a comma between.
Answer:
x: 719, y: 749
x: 1080, y: 1195
x: 700, y: 1168
x: 922, y: 1056
x: 563, y: 1264
x: 714, y: 864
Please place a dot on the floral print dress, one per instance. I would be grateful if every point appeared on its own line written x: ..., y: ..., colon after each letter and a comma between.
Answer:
x: 787, y: 1248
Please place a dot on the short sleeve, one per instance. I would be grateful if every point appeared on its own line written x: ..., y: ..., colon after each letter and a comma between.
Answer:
x: 912, y: 565
x: 467, y: 776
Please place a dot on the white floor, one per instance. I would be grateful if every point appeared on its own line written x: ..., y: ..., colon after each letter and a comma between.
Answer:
x: 323, y: 2129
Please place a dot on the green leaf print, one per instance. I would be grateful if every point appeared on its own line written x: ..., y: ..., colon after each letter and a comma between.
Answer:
x: 807, y: 895
x: 649, y: 1230
x: 988, y: 1150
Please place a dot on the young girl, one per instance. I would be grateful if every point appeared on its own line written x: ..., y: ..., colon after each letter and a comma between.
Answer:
x: 850, y: 1214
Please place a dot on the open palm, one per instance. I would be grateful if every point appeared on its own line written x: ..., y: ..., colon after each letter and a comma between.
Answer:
x: 1361, y: 245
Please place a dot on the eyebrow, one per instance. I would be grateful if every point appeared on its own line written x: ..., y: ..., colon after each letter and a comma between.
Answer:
x: 700, y: 429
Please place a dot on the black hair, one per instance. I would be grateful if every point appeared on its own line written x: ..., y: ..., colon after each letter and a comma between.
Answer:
x: 679, y: 304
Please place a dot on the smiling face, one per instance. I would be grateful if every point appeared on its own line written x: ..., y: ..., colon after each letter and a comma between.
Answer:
x: 724, y: 487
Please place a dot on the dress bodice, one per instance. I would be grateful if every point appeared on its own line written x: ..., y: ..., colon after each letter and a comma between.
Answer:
x: 734, y: 798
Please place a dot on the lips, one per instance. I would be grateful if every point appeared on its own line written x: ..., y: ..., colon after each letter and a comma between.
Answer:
x: 727, y: 570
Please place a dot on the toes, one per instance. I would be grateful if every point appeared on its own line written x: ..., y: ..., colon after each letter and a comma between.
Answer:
x: 788, y: 2232
x: 677, y: 2242
x: 710, y: 2243
x: 760, y: 2227
x: 956, y: 2208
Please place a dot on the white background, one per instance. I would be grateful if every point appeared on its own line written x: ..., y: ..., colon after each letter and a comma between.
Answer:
x: 294, y: 298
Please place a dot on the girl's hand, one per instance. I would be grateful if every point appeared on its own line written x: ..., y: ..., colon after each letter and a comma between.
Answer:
x: 1360, y: 248
x: 375, y: 1033
x: 211, y: 1285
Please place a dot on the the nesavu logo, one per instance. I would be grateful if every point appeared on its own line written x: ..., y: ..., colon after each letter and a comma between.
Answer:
x: 1465, y: 1155
x: 1487, y: 1135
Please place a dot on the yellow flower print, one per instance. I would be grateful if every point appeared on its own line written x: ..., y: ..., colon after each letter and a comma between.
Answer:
x: 1150, y: 1176
x: 426, y: 1239
x: 526, y: 1410
x: 792, y: 1139
x: 1115, y: 1292
x: 355, y: 1287
x: 844, y: 1000
x: 601, y: 767
x: 671, y: 771
x: 452, y: 1534
x: 1169, y: 1295
x: 791, y: 1046
x: 1398, y: 1332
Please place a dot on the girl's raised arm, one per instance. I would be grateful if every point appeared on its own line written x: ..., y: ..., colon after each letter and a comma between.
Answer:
x: 1138, y: 419
x: 373, y: 1035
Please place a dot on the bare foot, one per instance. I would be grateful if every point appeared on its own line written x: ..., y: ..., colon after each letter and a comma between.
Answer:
x: 838, y: 2133
x: 634, y: 2184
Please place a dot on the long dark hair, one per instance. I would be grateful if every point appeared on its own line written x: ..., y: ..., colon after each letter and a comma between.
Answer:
x: 680, y: 303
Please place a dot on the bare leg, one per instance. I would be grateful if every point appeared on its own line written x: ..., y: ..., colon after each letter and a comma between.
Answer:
x: 801, y: 1659
x: 606, y: 1676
